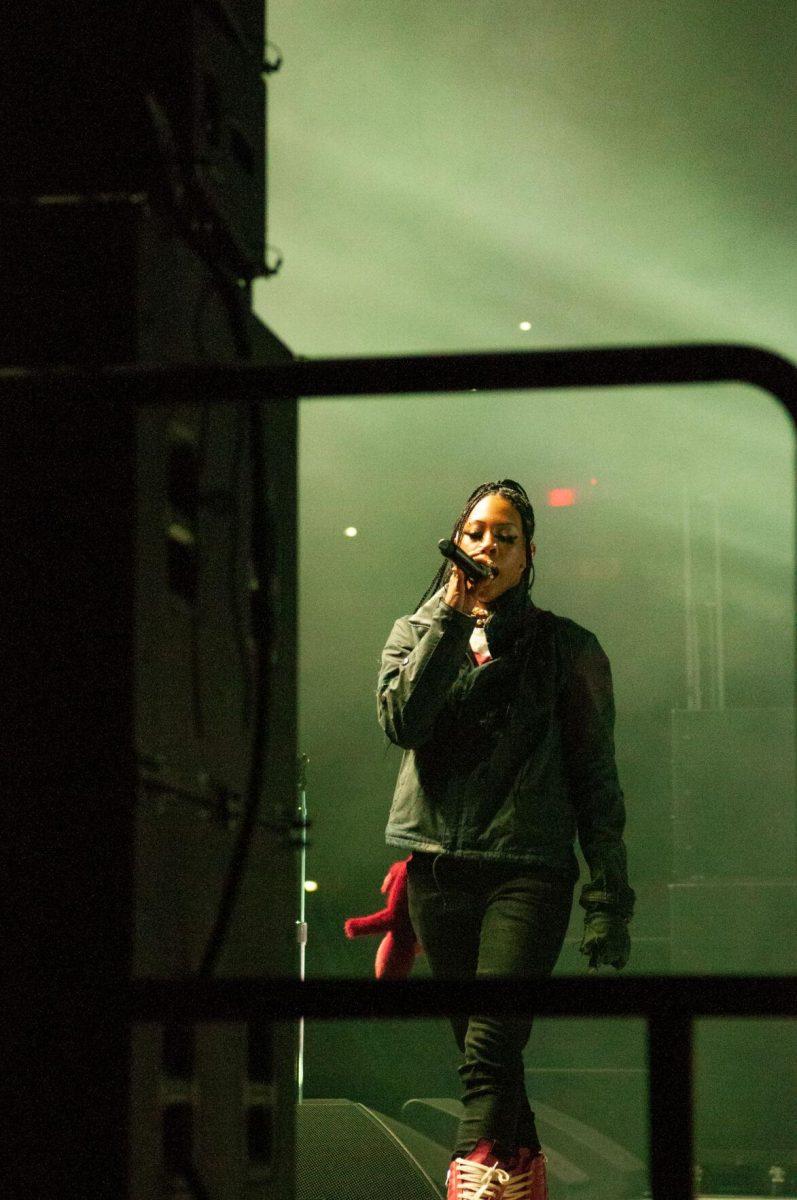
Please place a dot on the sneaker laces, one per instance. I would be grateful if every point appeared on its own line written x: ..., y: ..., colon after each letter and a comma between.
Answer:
x: 518, y: 1186
x: 480, y: 1182
x: 520, y: 1183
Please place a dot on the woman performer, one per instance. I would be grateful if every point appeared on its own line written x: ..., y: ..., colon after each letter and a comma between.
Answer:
x: 505, y: 714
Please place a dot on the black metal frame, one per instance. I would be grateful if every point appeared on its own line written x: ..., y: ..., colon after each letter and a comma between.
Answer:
x: 669, y: 1004
x: 532, y: 370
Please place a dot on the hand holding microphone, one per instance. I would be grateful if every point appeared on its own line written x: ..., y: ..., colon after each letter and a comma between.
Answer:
x: 472, y: 568
x: 466, y: 577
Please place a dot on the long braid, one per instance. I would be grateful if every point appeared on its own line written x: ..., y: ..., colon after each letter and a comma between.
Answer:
x: 513, y: 492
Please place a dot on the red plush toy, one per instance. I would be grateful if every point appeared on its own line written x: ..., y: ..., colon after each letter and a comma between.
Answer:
x: 396, y: 952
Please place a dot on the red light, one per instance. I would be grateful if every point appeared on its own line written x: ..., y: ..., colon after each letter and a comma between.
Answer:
x: 561, y: 497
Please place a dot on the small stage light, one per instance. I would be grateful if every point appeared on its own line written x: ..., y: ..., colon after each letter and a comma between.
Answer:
x: 561, y: 497
x: 310, y: 885
x: 350, y: 531
x: 525, y: 326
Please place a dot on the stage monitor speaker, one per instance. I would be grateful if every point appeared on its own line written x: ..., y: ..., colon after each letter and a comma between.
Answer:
x: 347, y: 1150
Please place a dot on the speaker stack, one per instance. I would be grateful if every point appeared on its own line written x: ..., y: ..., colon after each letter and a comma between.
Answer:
x: 132, y: 223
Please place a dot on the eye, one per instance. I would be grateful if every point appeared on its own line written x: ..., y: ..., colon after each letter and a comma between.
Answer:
x: 510, y: 539
x: 474, y: 535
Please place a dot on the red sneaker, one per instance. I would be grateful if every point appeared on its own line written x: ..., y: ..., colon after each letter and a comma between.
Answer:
x: 527, y: 1176
x: 479, y: 1176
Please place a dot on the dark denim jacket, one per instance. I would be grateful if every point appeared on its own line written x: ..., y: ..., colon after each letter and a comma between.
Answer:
x: 510, y: 760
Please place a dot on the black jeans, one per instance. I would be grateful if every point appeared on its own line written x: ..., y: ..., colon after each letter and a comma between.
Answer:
x: 475, y: 918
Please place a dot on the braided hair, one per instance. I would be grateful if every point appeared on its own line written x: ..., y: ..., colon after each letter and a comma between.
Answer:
x: 516, y: 494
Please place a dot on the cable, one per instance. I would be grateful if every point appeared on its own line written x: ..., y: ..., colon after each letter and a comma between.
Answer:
x: 243, y: 347
x: 195, y: 651
x: 195, y: 215
x: 230, y: 497
x: 262, y: 625
x: 233, y: 547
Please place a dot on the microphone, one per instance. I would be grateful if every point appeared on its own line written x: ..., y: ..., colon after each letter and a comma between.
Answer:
x: 474, y: 570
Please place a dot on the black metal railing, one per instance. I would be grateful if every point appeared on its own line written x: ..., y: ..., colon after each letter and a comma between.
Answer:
x: 669, y: 1004
x: 532, y: 370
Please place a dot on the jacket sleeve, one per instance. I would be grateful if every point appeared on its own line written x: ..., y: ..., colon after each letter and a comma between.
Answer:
x: 415, y: 677
x: 594, y: 785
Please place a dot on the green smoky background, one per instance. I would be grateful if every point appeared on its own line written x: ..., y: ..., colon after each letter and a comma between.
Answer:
x: 470, y: 176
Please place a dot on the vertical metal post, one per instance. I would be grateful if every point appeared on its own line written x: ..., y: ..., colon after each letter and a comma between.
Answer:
x: 670, y: 1106
x: 719, y: 635
x: 301, y: 924
x: 692, y: 664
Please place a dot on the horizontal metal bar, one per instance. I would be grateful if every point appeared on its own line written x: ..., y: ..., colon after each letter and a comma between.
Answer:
x: 564, y: 996
x: 614, y: 366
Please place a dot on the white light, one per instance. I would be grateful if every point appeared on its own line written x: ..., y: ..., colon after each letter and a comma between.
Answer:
x: 350, y: 531
x: 310, y: 885
x: 525, y: 326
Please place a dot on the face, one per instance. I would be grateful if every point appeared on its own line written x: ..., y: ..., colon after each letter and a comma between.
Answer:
x: 493, y: 534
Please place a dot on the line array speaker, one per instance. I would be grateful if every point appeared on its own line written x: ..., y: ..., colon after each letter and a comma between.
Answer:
x: 142, y: 98
x: 128, y: 723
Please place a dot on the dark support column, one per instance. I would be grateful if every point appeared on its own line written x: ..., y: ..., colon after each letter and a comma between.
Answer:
x: 670, y: 1106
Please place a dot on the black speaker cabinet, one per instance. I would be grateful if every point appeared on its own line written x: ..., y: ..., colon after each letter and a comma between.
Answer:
x: 128, y: 720
x: 347, y: 1150
x: 154, y: 98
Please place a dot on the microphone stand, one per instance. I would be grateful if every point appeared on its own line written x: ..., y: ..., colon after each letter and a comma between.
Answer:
x: 301, y: 824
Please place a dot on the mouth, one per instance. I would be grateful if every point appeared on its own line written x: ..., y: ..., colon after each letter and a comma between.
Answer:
x: 494, y: 572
